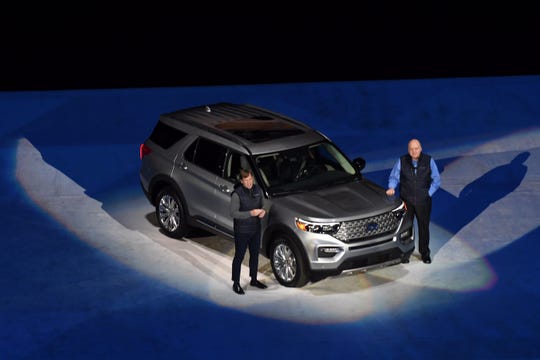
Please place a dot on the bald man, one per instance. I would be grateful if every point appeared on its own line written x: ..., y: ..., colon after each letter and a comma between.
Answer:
x: 418, y: 178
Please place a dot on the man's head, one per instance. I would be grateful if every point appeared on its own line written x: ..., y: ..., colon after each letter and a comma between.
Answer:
x: 415, y: 149
x: 246, y: 178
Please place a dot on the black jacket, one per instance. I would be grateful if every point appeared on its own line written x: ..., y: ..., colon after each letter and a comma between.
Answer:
x: 249, y: 199
x: 415, y: 182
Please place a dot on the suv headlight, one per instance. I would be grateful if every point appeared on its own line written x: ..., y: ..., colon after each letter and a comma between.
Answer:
x: 320, y: 228
x: 400, y: 211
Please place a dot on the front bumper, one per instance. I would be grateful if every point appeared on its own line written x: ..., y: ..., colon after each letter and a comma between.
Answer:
x: 377, y: 252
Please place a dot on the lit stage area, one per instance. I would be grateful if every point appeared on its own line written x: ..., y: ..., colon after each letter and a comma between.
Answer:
x: 87, y: 274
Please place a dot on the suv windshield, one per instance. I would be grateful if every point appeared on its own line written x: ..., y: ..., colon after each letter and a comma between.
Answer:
x: 304, y: 168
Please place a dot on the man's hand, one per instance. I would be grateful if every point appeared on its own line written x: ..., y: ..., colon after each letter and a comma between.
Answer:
x: 257, y: 212
x: 390, y: 192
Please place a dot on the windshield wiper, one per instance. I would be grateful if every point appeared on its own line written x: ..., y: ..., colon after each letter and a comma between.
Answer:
x: 289, y: 192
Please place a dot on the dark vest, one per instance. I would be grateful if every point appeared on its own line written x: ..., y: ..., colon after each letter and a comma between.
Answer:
x: 414, y: 185
x: 249, y: 199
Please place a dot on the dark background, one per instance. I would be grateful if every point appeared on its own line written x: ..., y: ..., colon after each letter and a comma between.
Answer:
x: 159, y: 47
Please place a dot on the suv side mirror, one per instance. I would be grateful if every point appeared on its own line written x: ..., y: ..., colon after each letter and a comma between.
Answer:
x: 359, y: 163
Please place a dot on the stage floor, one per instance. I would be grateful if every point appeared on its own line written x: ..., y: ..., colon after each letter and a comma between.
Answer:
x: 87, y: 273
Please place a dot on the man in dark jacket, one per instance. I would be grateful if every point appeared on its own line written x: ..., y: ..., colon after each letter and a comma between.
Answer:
x: 248, y: 207
x: 418, y: 178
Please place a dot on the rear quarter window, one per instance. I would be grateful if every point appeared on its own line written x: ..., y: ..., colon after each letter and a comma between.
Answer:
x: 165, y: 135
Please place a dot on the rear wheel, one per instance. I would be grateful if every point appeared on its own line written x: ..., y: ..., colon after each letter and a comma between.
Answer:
x: 288, y: 263
x: 171, y: 214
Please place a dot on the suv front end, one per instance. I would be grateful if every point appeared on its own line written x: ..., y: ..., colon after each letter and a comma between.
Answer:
x: 355, y: 241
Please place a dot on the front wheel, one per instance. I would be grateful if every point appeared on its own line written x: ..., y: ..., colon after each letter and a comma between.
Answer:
x: 288, y: 263
x: 171, y: 214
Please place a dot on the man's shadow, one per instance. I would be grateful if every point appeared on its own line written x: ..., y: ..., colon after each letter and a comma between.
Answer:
x: 454, y: 213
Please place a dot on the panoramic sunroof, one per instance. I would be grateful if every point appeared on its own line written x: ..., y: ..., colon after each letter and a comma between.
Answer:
x: 259, y: 129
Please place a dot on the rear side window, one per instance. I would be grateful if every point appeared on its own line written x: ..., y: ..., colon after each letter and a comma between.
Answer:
x: 165, y: 135
x: 208, y: 155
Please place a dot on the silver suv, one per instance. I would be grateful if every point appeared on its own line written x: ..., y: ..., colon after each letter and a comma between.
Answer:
x: 325, y: 217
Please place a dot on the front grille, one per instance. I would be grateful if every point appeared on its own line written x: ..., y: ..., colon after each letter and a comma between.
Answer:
x: 368, y: 228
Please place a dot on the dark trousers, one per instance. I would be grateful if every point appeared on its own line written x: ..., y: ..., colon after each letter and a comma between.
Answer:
x: 422, y: 212
x: 241, y: 242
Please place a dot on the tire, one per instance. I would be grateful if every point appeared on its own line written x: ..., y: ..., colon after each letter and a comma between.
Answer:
x: 171, y: 213
x: 288, y: 263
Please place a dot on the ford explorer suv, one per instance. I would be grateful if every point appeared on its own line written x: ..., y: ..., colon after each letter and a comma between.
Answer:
x: 325, y: 216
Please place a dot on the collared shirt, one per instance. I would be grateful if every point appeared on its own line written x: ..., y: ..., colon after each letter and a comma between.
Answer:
x: 393, y: 180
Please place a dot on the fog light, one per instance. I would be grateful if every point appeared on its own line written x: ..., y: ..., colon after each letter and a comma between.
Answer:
x: 406, y: 236
x: 327, y: 252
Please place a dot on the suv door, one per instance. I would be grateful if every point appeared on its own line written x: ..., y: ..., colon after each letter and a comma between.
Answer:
x: 202, y: 163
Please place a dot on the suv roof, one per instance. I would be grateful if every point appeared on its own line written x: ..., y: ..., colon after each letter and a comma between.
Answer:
x: 244, y: 124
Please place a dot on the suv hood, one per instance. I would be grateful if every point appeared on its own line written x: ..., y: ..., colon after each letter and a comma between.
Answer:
x: 348, y: 201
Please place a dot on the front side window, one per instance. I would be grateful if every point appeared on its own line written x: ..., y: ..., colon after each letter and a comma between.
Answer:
x: 235, y: 161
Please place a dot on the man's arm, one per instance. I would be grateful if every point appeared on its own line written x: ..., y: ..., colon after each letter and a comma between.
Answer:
x: 435, y: 178
x: 393, y: 179
x: 235, y: 208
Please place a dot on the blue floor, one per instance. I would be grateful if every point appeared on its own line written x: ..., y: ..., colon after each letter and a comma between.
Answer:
x: 63, y: 298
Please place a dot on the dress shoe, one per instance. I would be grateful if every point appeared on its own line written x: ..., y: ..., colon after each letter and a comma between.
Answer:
x: 238, y: 289
x: 258, y: 284
x: 405, y: 260
x: 426, y: 259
